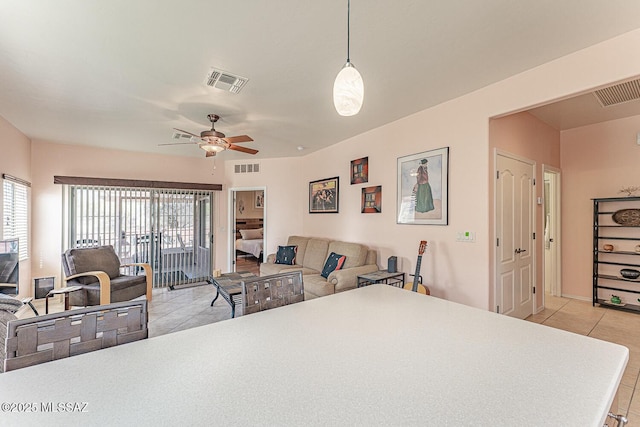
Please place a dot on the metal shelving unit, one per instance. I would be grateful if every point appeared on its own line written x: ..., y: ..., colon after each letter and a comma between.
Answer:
x: 605, y: 230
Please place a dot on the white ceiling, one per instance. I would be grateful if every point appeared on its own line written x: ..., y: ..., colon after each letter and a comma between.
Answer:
x: 123, y: 73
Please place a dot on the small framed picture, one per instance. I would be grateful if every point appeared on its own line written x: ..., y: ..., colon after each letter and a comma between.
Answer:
x: 360, y: 171
x: 258, y: 197
x: 423, y: 188
x: 323, y: 195
x: 371, y: 199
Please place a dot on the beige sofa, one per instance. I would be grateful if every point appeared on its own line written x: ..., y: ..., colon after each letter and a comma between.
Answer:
x: 310, y: 258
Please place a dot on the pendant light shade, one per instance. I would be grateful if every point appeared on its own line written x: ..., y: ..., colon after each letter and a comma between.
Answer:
x: 348, y: 89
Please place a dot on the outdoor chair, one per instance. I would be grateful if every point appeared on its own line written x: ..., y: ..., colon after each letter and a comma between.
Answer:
x: 97, y: 271
x: 263, y: 293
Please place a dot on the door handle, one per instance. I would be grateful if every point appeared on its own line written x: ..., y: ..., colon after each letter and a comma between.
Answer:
x: 519, y: 251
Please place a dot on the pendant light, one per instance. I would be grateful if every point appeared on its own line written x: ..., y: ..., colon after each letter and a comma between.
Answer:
x: 348, y: 89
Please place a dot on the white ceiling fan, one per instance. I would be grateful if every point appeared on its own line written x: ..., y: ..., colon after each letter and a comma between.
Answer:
x: 213, y: 141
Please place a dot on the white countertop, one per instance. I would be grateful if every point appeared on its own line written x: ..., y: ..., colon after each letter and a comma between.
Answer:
x: 377, y: 355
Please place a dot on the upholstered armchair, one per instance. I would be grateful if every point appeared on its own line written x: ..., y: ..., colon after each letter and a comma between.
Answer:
x: 97, y: 271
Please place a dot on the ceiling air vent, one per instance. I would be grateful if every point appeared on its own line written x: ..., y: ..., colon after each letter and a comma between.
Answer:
x: 623, y: 92
x: 225, y: 81
x: 178, y: 135
x: 247, y: 168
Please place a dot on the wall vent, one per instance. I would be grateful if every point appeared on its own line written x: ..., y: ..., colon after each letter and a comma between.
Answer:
x: 247, y: 168
x: 617, y: 94
x: 225, y: 80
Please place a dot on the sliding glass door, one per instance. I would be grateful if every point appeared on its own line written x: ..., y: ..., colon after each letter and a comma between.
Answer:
x: 169, y: 229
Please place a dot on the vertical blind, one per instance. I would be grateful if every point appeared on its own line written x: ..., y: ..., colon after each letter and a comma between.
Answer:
x: 15, y: 221
x: 167, y: 228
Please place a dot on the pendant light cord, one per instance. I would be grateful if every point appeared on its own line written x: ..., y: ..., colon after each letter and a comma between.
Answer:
x: 348, y: 28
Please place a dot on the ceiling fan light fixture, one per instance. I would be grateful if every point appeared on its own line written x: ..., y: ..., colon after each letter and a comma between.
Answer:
x: 348, y: 91
x: 211, y: 148
x: 348, y: 88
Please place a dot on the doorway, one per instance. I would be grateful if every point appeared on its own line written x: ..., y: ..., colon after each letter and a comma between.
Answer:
x: 515, y: 225
x: 552, y: 260
x: 247, y: 228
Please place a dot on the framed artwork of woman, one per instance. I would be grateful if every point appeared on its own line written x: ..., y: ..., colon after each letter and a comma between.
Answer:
x: 423, y: 188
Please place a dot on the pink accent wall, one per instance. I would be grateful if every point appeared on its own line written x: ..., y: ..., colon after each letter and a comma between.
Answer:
x: 597, y: 161
x: 460, y: 272
x: 285, y: 196
x: 15, y: 159
x: 526, y: 136
x: 49, y: 159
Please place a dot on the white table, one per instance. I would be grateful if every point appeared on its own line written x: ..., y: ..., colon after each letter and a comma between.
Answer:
x: 377, y: 355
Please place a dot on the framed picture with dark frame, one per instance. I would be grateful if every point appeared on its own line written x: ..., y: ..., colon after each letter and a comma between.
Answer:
x: 371, y: 199
x: 360, y: 171
x: 323, y: 195
x: 423, y: 188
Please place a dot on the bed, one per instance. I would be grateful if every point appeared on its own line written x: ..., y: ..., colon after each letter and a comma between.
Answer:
x: 249, y: 237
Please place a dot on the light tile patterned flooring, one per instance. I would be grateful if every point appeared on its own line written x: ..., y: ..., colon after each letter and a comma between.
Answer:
x: 189, y: 307
x: 606, y: 324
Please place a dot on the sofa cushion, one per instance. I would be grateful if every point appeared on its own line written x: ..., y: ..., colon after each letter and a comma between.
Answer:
x: 123, y: 288
x: 355, y: 252
x: 100, y: 258
x: 301, y: 243
x: 316, y: 253
x: 317, y: 286
x: 334, y: 262
x: 267, y: 269
x: 286, y: 255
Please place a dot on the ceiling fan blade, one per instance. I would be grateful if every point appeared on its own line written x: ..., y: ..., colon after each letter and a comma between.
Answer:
x: 188, y: 133
x: 243, y: 149
x: 178, y: 143
x: 236, y: 139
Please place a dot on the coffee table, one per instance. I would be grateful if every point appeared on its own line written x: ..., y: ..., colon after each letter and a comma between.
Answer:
x: 229, y: 286
x: 381, y: 276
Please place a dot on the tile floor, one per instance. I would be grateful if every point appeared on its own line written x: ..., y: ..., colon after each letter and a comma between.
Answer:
x: 606, y: 324
x: 189, y: 307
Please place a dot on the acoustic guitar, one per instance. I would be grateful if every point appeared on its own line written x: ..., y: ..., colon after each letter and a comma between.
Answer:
x: 416, y: 286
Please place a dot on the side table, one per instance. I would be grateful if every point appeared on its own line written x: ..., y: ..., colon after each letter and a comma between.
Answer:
x: 60, y: 291
x: 381, y: 276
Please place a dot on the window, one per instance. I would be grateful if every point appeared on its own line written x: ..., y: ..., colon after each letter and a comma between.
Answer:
x: 15, y: 221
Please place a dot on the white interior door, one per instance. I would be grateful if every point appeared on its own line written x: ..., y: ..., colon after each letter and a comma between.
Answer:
x: 515, y: 251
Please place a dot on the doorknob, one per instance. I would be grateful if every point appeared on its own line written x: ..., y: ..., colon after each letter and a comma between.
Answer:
x: 519, y: 251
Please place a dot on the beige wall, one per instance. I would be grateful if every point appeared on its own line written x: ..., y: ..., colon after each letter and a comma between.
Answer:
x: 457, y: 271
x: 597, y: 161
x: 57, y: 159
x: 285, y: 196
x: 524, y: 135
x: 246, y: 205
x: 15, y: 159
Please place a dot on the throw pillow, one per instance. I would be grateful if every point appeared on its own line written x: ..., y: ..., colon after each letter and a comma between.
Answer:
x: 286, y: 255
x: 251, y: 234
x: 334, y: 262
